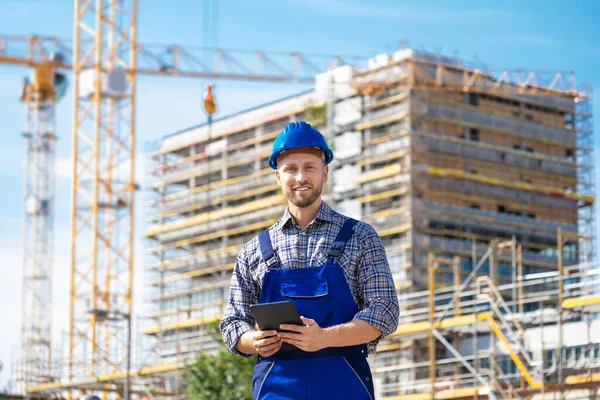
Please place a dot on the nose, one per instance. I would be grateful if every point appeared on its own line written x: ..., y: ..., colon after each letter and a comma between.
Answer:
x: 299, y: 176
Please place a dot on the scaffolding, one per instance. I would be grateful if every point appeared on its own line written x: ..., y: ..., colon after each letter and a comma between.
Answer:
x: 472, y: 341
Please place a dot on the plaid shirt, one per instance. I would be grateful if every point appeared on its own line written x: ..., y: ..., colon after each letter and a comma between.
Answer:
x: 363, y: 261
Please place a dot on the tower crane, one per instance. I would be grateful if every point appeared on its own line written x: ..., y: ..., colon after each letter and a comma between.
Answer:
x: 39, y: 95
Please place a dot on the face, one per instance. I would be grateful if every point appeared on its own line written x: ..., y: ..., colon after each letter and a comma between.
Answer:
x: 301, y: 177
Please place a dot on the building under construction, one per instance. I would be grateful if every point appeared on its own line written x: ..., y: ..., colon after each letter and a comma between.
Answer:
x: 481, y: 188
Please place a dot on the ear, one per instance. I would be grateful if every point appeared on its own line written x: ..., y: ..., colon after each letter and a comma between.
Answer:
x: 325, y: 173
x: 278, y: 177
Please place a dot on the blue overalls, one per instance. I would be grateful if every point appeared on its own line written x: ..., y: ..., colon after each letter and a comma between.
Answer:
x: 320, y: 293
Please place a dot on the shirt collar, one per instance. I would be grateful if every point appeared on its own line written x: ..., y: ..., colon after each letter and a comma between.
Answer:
x: 325, y: 214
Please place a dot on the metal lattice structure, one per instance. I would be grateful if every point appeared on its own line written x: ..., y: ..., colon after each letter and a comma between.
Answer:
x: 36, y: 348
x: 584, y: 156
x: 103, y: 190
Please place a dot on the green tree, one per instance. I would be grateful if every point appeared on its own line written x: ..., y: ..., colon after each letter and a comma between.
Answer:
x: 222, y: 375
x: 3, y: 392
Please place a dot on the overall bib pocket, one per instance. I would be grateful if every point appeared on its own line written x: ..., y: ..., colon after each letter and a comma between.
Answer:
x: 311, y: 298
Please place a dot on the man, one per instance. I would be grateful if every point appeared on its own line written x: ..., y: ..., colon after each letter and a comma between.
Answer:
x: 335, y: 271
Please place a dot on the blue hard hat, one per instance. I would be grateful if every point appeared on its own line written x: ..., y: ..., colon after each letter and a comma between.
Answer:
x: 299, y: 134
x: 90, y: 397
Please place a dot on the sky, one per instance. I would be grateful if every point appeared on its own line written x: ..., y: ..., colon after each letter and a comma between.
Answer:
x: 532, y: 35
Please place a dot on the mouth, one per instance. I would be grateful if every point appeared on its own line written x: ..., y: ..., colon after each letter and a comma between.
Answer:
x: 302, y: 189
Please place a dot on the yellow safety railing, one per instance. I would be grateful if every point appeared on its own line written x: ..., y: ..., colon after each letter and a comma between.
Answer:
x: 242, y: 128
x: 381, y: 121
x: 380, y: 173
x: 215, y: 235
x: 577, y: 302
x: 382, y: 158
x: 187, y: 323
x: 386, y: 138
x: 491, y: 111
x: 490, y: 220
x: 488, y: 146
x: 165, y: 264
x: 231, y: 147
x: 446, y: 394
x: 214, y: 185
x: 215, y: 215
x: 394, y: 230
x: 388, y: 100
x: 386, y: 213
x: 185, y: 175
x: 513, y: 356
x: 216, y: 201
x: 490, y: 128
x: 460, y: 174
x: 194, y: 274
x: 381, y: 196
x: 424, y: 326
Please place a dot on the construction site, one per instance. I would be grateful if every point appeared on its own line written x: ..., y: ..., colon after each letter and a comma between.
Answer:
x: 481, y: 187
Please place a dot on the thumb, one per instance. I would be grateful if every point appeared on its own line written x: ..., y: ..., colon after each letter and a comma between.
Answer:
x: 308, y: 321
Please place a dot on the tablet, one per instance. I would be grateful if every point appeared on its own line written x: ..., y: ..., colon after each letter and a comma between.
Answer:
x: 270, y: 315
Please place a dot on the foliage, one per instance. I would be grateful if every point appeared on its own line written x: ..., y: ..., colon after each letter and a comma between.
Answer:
x: 222, y: 375
x: 2, y: 393
x: 315, y: 114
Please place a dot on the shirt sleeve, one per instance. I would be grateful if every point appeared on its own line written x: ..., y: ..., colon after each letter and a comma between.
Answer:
x: 378, y: 291
x: 243, y: 291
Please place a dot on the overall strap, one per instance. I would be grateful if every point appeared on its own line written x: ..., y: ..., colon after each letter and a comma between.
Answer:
x: 266, y: 250
x: 340, y: 241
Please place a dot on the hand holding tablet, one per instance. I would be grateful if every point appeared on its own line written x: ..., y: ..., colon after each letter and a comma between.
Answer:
x: 269, y: 316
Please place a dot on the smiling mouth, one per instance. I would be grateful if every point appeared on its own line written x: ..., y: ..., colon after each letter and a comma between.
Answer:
x: 301, y: 189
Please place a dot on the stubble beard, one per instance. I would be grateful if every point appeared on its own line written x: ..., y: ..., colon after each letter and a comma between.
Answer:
x: 303, y: 203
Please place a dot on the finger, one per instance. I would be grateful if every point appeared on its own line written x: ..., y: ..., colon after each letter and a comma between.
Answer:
x: 269, y: 340
x: 293, y: 328
x: 289, y: 335
x: 308, y: 321
x: 293, y: 341
x: 273, y: 351
x: 269, y: 347
x: 263, y: 334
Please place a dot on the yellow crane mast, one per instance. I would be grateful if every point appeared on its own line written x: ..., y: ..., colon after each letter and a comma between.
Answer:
x: 104, y: 56
x: 40, y: 95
